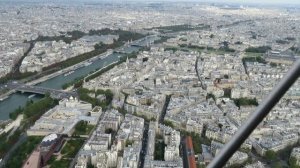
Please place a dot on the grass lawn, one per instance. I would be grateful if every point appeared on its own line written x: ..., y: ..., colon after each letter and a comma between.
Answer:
x: 82, y: 128
x: 60, y: 163
x: 71, y: 148
x: 86, y: 131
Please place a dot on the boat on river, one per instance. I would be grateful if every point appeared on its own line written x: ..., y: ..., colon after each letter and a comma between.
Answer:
x: 69, y: 73
x: 31, y: 96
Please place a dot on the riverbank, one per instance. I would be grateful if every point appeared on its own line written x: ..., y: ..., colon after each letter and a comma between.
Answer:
x: 71, y: 68
x: 60, y: 72
x: 68, y: 69
x: 57, y: 79
x: 100, y: 70
x: 6, y: 95
x: 13, y: 125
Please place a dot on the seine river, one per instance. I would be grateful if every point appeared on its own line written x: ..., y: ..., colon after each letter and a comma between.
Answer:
x: 17, y: 100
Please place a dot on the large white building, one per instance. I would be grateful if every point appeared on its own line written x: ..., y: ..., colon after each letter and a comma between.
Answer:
x: 63, y: 118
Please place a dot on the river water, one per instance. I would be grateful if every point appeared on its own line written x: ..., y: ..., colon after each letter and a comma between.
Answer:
x: 17, y: 100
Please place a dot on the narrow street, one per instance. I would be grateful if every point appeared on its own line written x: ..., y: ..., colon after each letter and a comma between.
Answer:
x: 164, y: 110
x: 144, y: 145
x: 183, y: 152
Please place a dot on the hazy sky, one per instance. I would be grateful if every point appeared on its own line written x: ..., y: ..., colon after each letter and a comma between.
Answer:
x: 216, y: 1
x: 236, y: 1
x: 261, y: 1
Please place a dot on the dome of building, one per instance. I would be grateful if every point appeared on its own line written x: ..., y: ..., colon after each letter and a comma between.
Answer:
x: 49, y: 139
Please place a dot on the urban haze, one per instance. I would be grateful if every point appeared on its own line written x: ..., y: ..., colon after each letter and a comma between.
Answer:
x: 146, y: 84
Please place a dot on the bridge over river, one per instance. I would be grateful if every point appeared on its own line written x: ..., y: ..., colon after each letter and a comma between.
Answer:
x: 54, y: 93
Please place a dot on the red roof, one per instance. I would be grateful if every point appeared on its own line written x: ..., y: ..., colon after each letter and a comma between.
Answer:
x: 191, y: 155
x: 189, y: 143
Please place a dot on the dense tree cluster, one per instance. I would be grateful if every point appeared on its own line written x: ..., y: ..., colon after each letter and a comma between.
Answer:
x: 16, y: 76
x: 82, y: 128
x: 184, y: 27
x: 209, y: 95
x: 174, y: 49
x: 128, y: 143
x: 261, y: 49
x: 33, y: 110
x: 273, y: 64
x: 84, y: 95
x: 245, y: 102
x: 22, y: 152
x: 295, y: 49
x: 282, y: 42
x: 195, y: 47
x: 75, y: 35
x: 6, y: 143
x: 270, y: 155
x: 254, y: 59
x: 226, y: 49
x: 159, y: 151
x: 238, y: 43
x: 168, y: 123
